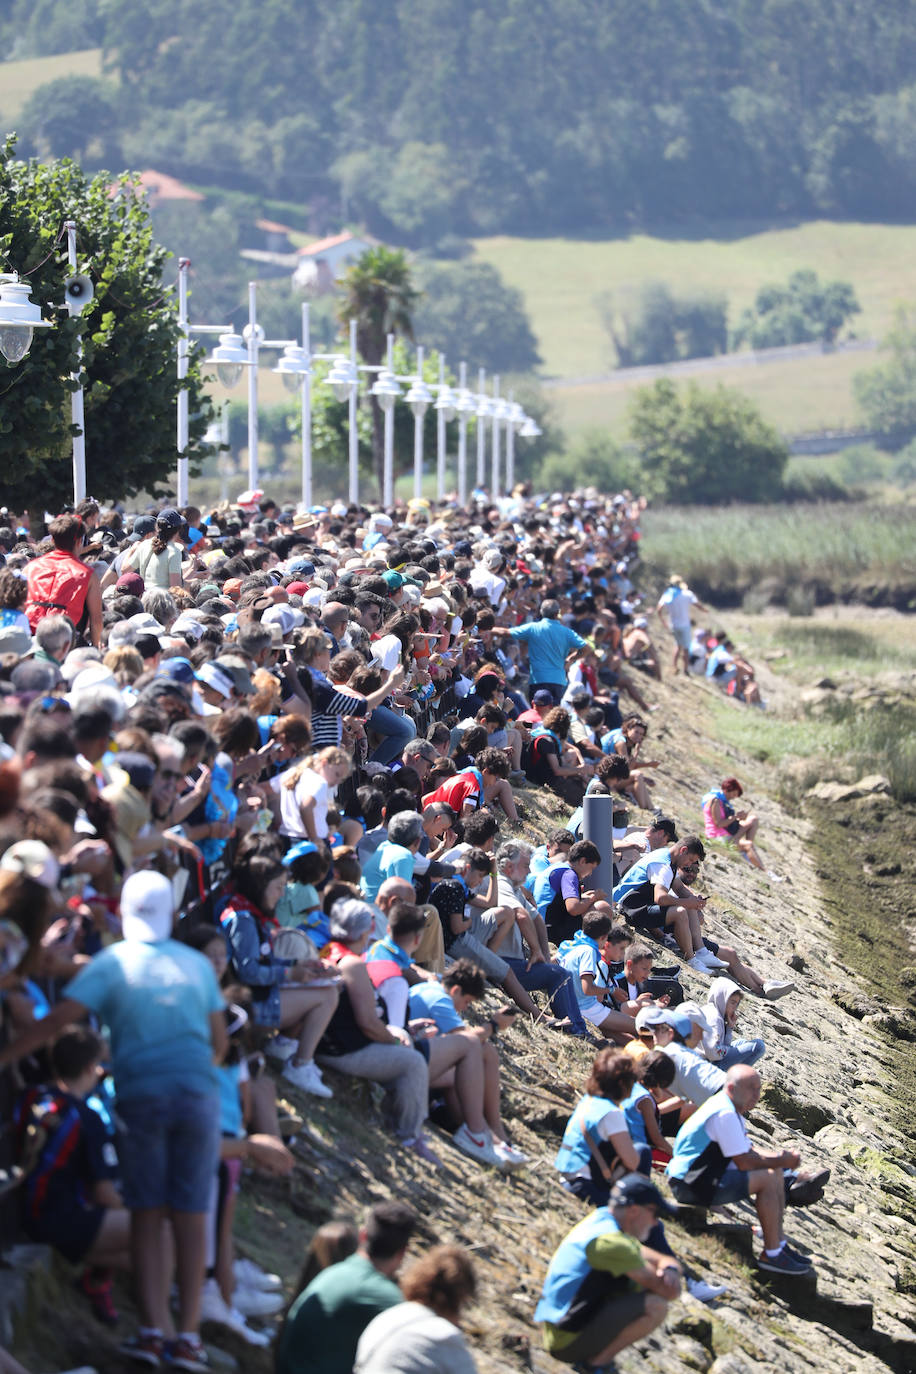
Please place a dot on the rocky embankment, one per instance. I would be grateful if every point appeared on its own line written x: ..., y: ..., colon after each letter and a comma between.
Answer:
x: 838, y: 1080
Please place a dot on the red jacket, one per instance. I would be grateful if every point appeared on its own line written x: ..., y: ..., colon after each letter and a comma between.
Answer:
x: 58, y: 584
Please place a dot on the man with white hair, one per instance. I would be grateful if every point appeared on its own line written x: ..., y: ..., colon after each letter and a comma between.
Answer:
x: 53, y: 639
x: 164, y: 1014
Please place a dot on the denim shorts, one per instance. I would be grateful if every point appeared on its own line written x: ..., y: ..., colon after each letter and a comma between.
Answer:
x: 168, y: 1149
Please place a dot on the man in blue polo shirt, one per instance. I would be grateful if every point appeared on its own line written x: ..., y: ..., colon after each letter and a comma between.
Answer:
x: 550, y: 644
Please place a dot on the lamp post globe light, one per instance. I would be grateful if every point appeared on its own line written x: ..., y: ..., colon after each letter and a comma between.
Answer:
x: 230, y: 356
x: 19, y: 317
x: 445, y: 413
x: 514, y: 417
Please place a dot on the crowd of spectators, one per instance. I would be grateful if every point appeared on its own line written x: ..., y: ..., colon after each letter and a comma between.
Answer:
x: 261, y: 823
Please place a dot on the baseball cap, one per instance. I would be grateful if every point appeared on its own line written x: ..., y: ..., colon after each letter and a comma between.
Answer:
x: 35, y: 677
x: 131, y: 583
x: 297, y: 588
x: 177, y: 670
x: 187, y: 625
x: 666, y: 824
x: 286, y: 617
x: 170, y: 517
x: 301, y: 567
x: 241, y: 678
x: 542, y: 698
x: 650, y: 1016
x: 633, y: 1190
x: 298, y: 851
x: 139, y: 768
x: 393, y: 580
x: 146, y: 907
x: 32, y: 859
x: 143, y: 525
x: 215, y: 677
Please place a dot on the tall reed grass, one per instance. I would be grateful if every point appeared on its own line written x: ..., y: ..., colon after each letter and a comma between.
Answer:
x: 727, y: 552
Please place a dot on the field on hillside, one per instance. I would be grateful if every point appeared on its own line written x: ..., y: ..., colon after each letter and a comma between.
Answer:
x: 796, y: 396
x: 19, y: 79
x: 560, y: 278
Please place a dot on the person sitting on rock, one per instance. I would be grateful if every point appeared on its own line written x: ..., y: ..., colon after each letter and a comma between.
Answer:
x: 654, y: 896
x: 629, y: 989
x: 571, y: 897
x: 719, y: 1042
x: 604, y: 1288
x: 678, y: 1032
x: 714, y: 1163
x: 596, y: 1148
x: 582, y: 956
x: 723, y: 822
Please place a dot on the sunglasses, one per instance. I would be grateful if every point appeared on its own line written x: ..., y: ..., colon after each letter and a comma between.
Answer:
x: 170, y: 774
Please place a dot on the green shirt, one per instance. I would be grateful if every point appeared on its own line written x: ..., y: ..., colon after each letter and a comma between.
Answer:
x: 326, y: 1320
x: 613, y: 1252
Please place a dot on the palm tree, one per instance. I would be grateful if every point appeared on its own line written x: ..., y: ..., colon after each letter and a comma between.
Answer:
x: 378, y: 292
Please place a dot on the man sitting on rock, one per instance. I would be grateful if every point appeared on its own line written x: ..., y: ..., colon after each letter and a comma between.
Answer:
x: 714, y: 1163
x: 653, y: 896
x: 604, y: 1288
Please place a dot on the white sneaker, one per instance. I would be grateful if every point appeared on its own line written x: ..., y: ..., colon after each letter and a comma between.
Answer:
x: 709, y: 959
x: 774, y: 989
x: 214, y: 1308
x: 479, y: 1147
x: 698, y: 965
x: 775, y: 877
x: 251, y: 1275
x: 281, y: 1047
x: 508, y: 1155
x: 308, y: 1077
x: 253, y: 1302
x: 705, y: 1292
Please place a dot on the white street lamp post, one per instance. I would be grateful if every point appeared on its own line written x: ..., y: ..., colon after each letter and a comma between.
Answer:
x: 77, y: 414
x: 253, y: 344
x: 386, y: 391
x: 229, y: 357
x: 19, y: 316
x: 514, y: 421
x: 465, y: 406
x: 497, y: 416
x: 354, y: 432
x: 418, y: 398
x: 295, y: 369
x: 483, y: 411
x: 445, y: 413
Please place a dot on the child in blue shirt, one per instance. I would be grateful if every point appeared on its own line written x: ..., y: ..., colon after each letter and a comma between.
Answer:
x: 307, y: 863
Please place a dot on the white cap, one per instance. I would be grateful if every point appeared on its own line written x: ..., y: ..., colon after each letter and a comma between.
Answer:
x: 147, y: 907
x: 286, y: 617
x: 214, y: 677
x: 187, y: 625
x: 32, y: 859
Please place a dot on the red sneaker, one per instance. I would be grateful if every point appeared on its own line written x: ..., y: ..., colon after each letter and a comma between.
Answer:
x: 98, y: 1288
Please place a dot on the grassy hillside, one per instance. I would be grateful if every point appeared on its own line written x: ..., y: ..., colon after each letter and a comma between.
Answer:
x: 19, y: 79
x: 560, y: 278
x: 796, y: 396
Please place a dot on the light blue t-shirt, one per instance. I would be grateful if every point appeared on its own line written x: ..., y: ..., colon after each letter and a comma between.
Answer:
x: 549, y: 642
x: 431, y: 1000
x: 155, y: 1001
x: 389, y: 861
x: 579, y: 960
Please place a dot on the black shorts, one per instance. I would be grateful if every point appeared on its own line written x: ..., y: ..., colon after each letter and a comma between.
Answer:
x: 643, y: 917
x: 614, y: 1316
x: 71, y: 1230
x: 733, y: 827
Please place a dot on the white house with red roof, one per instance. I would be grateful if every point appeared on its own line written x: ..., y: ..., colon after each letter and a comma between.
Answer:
x: 321, y: 265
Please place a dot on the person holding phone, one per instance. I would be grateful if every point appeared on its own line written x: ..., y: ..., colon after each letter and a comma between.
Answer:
x: 443, y: 1001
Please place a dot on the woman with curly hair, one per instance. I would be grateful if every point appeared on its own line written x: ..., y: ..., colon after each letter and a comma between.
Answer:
x: 423, y: 1332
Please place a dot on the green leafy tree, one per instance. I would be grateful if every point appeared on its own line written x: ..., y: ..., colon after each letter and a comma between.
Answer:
x: 74, y: 116
x: 468, y: 312
x: 592, y: 459
x: 652, y: 324
x: 704, y: 447
x: 379, y: 293
x: 802, y: 311
x: 129, y: 335
x: 886, y: 393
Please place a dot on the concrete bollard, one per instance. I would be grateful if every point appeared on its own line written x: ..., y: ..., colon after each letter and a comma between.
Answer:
x: 597, y: 823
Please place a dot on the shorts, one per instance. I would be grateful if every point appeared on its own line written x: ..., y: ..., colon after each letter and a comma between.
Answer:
x: 168, y: 1149
x: 603, y: 1328
x: 596, y: 1014
x: 645, y: 917
x: 473, y: 945
x: 683, y: 636
x: 70, y: 1229
x: 731, y: 1187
